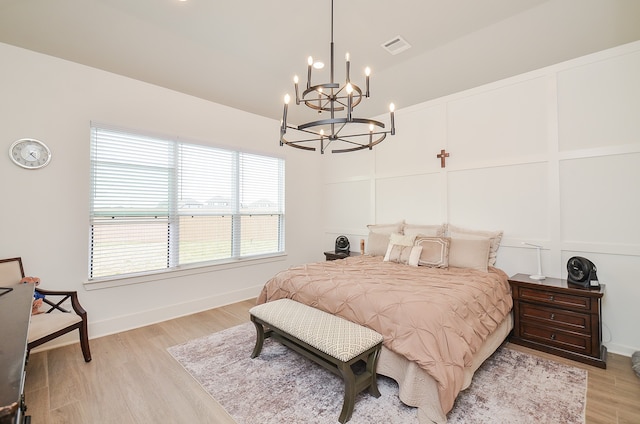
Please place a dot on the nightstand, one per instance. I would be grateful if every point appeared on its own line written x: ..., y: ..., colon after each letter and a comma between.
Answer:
x: 332, y: 256
x: 554, y: 317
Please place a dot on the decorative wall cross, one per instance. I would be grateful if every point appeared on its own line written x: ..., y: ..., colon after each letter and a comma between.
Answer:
x: 442, y: 156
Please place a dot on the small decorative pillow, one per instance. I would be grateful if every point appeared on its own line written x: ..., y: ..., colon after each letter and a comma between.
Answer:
x: 435, y: 251
x: 469, y: 253
x: 407, y: 255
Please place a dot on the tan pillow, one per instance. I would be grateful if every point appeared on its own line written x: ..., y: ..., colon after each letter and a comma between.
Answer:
x: 424, y: 230
x: 494, y: 236
x: 435, y: 251
x: 469, y: 253
x: 408, y: 255
x: 401, y: 239
x: 377, y: 244
x: 379, y: 237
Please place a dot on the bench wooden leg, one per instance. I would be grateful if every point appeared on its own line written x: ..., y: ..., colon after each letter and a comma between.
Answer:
x: 372, y: 362
x: 259, y: 338
x: 349, y: 392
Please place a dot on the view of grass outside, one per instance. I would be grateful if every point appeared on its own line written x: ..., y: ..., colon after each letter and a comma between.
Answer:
x: 130, y: 246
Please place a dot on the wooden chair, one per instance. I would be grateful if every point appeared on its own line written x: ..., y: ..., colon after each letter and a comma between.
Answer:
x: 57, y: 319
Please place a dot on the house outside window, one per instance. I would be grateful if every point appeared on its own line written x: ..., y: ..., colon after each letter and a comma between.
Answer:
x: 159, y: 204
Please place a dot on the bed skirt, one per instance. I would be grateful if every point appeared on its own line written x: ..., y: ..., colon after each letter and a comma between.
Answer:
x: 419, y: 389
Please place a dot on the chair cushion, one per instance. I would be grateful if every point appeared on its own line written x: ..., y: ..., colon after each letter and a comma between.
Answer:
x: 44, y: 324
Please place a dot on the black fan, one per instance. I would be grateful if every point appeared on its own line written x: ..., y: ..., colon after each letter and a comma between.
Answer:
x: 342, y: 245
x: 582, y: 272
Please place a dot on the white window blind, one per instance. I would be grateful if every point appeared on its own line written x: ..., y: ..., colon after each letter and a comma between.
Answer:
x: 158, y: 203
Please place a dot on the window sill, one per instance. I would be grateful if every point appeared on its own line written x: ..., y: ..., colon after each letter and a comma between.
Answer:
x: 108, y: 282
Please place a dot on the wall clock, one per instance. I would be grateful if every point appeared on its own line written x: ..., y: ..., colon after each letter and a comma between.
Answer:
x: 30, y: 153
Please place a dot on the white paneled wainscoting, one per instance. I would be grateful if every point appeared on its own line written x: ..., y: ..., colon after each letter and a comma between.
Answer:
x: 551, y: 157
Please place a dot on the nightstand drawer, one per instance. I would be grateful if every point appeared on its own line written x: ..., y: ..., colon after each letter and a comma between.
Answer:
x: 555, y: 298
x: 553, y: 317
x: 554, y: 337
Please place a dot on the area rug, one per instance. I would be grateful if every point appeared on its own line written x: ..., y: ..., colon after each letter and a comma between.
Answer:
x: 281, y: 386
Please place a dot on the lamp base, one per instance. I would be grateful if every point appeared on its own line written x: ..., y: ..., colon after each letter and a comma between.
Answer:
x: 537, y: 277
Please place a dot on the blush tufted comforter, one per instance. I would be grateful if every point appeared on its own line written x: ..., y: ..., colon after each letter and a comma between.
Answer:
x: 434, y: 317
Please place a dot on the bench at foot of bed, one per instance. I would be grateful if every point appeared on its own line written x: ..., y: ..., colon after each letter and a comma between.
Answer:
x: 331, y: 341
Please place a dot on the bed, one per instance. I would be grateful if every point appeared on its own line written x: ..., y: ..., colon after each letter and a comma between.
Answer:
x: 439, y: 323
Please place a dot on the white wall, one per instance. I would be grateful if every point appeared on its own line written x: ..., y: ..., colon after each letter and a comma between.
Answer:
x: 550, y: 157
x: 44, y: 213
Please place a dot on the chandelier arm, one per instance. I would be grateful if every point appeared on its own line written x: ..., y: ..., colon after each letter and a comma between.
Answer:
x: 304, y: 131
x: 356, y: 89
x: 345, y: 138
x: 340, y: 121
x: 310, y: 104
x: 315, y: 89
x: 361, y: 146
x: 313, y: 149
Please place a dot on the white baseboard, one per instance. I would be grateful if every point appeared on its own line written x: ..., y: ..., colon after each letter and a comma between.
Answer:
x: 621, y: 349
x: 153, y: 316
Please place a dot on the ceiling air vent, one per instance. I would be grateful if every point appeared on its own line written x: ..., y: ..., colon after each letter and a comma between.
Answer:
x: 396, y: 45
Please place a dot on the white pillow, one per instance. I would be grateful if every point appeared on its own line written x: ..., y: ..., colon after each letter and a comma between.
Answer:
x: 469, y: 253
x: 408, y: 255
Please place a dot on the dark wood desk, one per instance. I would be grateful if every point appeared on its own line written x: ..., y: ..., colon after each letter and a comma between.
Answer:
x: 15, y: 313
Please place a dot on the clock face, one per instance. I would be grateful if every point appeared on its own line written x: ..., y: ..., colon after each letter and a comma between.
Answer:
x: 30, y: 153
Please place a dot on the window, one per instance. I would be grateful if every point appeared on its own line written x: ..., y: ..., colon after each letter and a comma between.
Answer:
x: 158, y: 203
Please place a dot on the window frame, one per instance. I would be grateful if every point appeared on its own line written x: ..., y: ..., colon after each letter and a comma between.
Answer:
x: 174, y: 213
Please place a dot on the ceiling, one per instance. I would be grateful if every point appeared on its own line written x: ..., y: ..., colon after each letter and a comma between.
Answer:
x: 244, y: 53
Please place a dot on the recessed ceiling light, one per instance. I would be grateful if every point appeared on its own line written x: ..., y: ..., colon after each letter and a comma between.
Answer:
x: 318, y: 65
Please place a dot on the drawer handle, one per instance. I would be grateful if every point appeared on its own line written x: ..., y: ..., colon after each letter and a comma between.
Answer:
x: 553, y: 337
x: 553, y: 316
x: 551, y: 298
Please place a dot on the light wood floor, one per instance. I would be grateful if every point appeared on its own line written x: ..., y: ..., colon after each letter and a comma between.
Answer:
x: 133, y: 379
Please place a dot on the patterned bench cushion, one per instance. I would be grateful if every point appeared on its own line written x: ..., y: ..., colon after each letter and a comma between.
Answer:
x: 328, y: 333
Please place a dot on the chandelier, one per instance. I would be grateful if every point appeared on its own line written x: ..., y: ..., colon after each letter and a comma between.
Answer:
x: 347, y: 132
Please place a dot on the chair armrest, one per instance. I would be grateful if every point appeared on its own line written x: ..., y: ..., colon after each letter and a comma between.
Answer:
x: 73, y: 295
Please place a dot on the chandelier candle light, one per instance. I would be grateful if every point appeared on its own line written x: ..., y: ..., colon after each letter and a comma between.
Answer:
x: 352, y: 133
